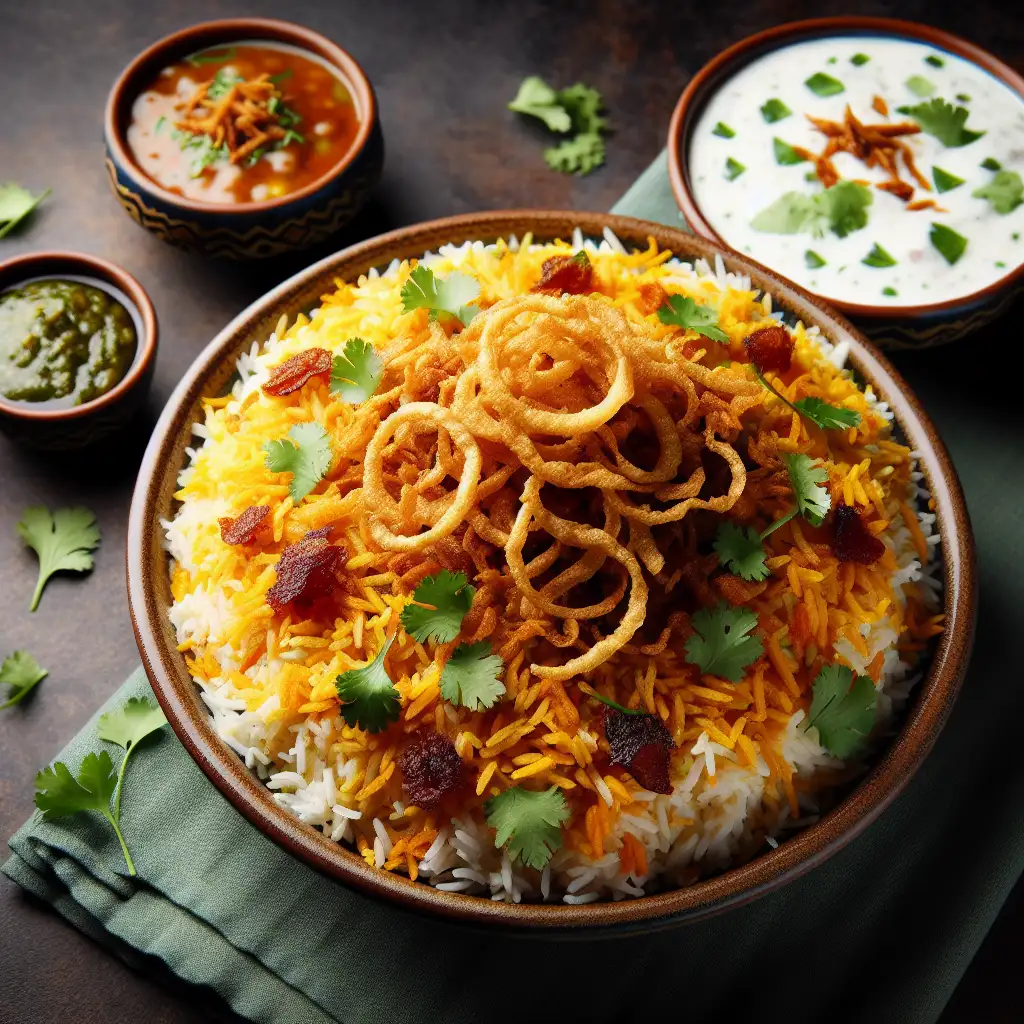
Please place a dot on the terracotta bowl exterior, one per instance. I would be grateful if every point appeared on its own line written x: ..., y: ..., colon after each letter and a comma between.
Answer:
x: 244, y: 230
x: 150, y: 598
x: 888, y: 326
x: 82, y: 425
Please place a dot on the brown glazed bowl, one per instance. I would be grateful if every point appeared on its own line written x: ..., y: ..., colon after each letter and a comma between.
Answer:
x: 81, y: 425
x: 150, y: 597
x: 889, y: 326
x: 244, y: 230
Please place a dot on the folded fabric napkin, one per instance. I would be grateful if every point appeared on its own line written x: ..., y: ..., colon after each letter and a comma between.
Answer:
x: 883, y: 931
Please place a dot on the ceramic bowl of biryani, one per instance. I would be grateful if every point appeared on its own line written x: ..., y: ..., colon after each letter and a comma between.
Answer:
x: 550, y: 570
x: 875, y: 162
x: 243, y: 138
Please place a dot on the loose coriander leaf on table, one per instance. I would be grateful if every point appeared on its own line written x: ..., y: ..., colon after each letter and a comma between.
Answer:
x: 947, y: 123
x: 538, y: 99
x: 721, y: 644
x: 370, y: 698
x: 16, y: 204
x: 448, y: 596
x: 741, y: 551
x: 63, y: 540
x: 307, y: 456
x: 1005, y: 192
x: 529, y: 822
x: 449, y: 295
x: 579, y: 155
x: 682, y: 311
x: 21, y: 672
x: 127, y: 726
x: 843, y: 709
x: 471, y: 677
x: 356, y: 371
x: 813, y: 500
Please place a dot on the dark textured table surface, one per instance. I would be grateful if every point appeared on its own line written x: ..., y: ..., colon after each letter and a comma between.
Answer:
x: 443, y: 72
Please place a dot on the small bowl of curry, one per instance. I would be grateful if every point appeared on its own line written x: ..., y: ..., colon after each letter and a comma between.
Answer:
x: 78, y: 339
x: 243, y: 138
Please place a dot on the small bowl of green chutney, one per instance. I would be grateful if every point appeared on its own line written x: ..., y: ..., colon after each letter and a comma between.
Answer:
x: 78, y: 340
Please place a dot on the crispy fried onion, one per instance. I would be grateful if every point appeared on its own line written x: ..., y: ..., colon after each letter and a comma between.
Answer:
x: 551, y: 393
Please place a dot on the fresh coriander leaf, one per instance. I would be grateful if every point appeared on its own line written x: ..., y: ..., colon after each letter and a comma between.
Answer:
x: 859, y: 59
x: 356, y: 371
x: 161, y: 121
x: 775, y: 110
x: 222, y: 82
x: 790, y: 214
x: 890, y: 291
x: 812, y: 500
x: 721, y: 644
x: 826, y: 416
x: 127, y: 726
x: 824, y: 85
x: 1005, y: 192
x: 59, y: 793
x: 841, y: 209
x: 936, y: 62
x: 811, y: 176
x: 537, y: 99
x: 290, y: 136
x: 723, y: 131
x: 528, y: 823
x: 1000, y: 264
x: 370, y: 698
x: 741, y: 551
x: 844, y: 207
x: 63, y: 541
x: 786, y: 154
x: 16, y: 204
x: 584, y: 106
x: 813, y: 260
x: 919, y: 85
x: 949, y: 242
x: 878, y: 257
x: 471, y: 677
x: 947, y: 123
x: 831, y: 60
x: 733, y: 169
x: 440, y: 295
x: 991, y: 164
x: 21, y: 672
x: 281, y: 76
x: 591, y: 692
x: 682, y: 311
x: 448, y: 596
x: 579, y: 155
x: 963, y: 97
x: 843, y: 709
x: 944, y: 181
x: 199, y: 59
x: 307, y: 456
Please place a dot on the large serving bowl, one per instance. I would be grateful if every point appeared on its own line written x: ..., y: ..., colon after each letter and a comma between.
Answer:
x: 890, y: 325
x: 254, y: 229
x: 150, y: 596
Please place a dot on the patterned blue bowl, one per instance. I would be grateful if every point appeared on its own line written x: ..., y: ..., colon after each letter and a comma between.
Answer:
x: 244, y: 230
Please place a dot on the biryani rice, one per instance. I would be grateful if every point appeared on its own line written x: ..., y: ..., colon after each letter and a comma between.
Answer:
x: 746, y: 771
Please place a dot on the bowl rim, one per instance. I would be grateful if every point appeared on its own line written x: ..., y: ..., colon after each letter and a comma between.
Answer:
x: 39, y: 264
x: 148, y: 591
x: 224, y: 30
x: 721, y: 67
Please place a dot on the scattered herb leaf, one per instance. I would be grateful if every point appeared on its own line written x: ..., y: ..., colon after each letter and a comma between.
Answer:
x: 843, y: 709
x: 786, y: 154
x: 936, y: 62
x: 591, y: 692
x: 859, y: 59
x: 537, y: 99
x: 944, y: 181
x: 63, y: 541
x: 733, y: 169
x: 818, y: 411
x: 741, y: 552
x: 16, y: 204
x: 824, y: 85
x: 813, y: 260
x: 889, y: 290
x: 878, y: 257
x: 990, y: 163
x: 949, y: 242
x: 127, y: 726
x: 723, y: 131
x: 199, y: 59
x: 21, y: 672
x: 356, y: 371
x: 579, y: 155
x: 963, y: 97
x: 529, y: 822
x: 371, y: 701
x: 441, y: 295
x: 721, y: 644
x: 1005, y: 192
x: 449, y: 596
x: 775, y: 110
x: 805, y: 477
x: 919, y: 86
x: 947, y: 123
x: 307, y: 456
x: 471, y: 677
x: 841, y: 209
x: 682, y: 311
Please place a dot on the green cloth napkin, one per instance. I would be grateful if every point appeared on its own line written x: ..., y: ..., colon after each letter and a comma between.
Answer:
x: 882, y: 932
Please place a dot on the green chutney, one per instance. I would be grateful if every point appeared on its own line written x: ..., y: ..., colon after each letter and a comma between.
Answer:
x: 63, y: 342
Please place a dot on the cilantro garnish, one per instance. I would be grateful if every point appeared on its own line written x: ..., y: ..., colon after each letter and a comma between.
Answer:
x: 723, y: 131
x: 936, y: 62
x: 741, y: 551
x: 128, y: 726
x: 813, y: 260
x: 890, y: 291
x: 471, y: 677
x: 441, y: 604
x: 528, y: 823
x: 990, y: 163
x: 733, y: 169
x: 209, y: 57
x: 812, y: 500
x: 775, y: 110
x: 843, y: 714
x: 841, y: 209
x: 824, y: 85
x: 307, y: 456
x: 919, y: 85
x: 16, y: 204
x: 786, y: 154
x: 944, y: 181
x: 947, y: 123
x: 370, y: 698
x: 949, y: 242
x: 63, y: 541
x: 721, y: 644
x: 1005, y: 192
x: 591, y: 692
x: 21, y: 672
x: 878, y: 257
x: 682, y: 311
x: 442, y: 296
x: 356, y: 371
x: 859, y: 59
x: 819, y: 412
